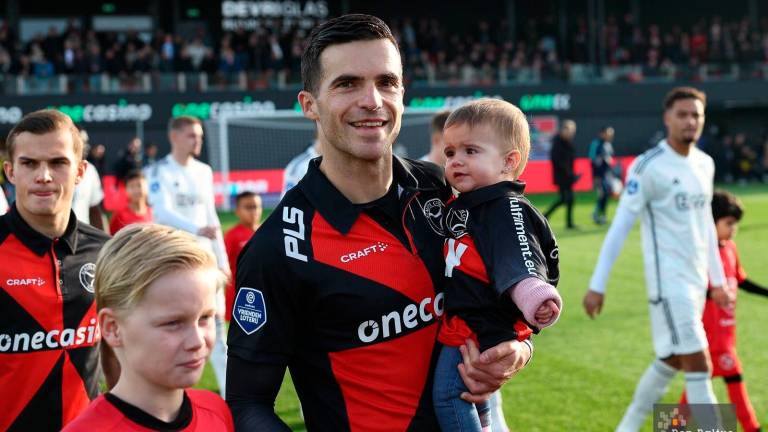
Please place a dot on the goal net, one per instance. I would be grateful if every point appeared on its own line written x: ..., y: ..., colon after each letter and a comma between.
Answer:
x: 249, y: 151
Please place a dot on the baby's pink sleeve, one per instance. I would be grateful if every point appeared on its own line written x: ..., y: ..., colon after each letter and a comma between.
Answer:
x: 530, y: 293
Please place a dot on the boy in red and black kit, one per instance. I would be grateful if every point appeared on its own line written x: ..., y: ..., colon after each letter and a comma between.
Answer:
x: 248, y: 210
x: 137, y: 209
x: 719, y: 322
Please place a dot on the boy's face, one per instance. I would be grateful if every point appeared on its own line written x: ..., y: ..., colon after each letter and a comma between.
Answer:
x: 474, y: 158
x: 248, y: 210
x: 163, y: 342
x: 726, y: 227
x: 136, y: 188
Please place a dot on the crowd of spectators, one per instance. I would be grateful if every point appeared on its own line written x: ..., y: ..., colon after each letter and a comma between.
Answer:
x: 432, y: 52
x: 742, y: 158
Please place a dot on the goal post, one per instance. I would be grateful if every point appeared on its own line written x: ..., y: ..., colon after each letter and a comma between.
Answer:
x: 248, y: 151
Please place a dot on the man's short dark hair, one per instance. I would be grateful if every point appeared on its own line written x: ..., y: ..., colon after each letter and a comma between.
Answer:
x: 42, y: 122
x: 243, y: 195
x: 726, y: 204
x: 180, y: 122
x: 438, y: 121
x: 133, y: 174
x: 681, y: 93
x: 339, y: 30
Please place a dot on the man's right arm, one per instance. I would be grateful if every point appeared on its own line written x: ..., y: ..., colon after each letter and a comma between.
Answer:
x: 251, y: 392
x: 261, y: 341
x: 637, y: 194
x: 614, y: 241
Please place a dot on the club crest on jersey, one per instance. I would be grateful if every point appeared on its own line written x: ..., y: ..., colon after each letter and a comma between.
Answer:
x: 632, y: 187
x: 433, y: 211
x: 87, y: 272
x: 154, y: 187
x: 456, y: 222
x: 250, y: 311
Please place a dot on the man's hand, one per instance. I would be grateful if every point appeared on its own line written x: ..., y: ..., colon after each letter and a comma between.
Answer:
x: 208, y: 232
x: 722, y: 297
x: 484, y: 373
x: 593, y: 303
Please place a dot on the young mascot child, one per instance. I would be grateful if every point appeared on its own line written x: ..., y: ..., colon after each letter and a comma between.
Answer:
x: 720, y: 322
x: 156, y: 299
x: 136, y: 210
x: 248, y: 210
x: 501, y: 256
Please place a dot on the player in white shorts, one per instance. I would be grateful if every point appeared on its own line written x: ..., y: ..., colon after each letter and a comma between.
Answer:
x: 670, y: 188
x: 181, y: 196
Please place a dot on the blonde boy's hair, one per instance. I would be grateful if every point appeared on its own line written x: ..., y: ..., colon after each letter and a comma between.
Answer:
x: 140, y: 254
x: 506, y: 120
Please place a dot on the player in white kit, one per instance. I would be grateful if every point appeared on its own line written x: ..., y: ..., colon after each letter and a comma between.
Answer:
x: 181, y: 196
x: 297, y: 167
x: 670, y: 188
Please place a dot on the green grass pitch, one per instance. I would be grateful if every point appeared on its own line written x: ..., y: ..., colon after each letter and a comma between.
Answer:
x: 584, y: 372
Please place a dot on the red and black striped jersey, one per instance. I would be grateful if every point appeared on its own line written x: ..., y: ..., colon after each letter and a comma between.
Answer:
x: 347, y: 296
x: 495, y: 239
x: 49, y: 361
x: 201, y: 410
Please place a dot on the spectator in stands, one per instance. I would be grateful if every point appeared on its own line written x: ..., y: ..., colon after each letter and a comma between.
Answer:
x: 563, y: 156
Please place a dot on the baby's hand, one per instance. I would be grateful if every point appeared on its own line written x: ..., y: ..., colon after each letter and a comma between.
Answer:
x: 547, y: 312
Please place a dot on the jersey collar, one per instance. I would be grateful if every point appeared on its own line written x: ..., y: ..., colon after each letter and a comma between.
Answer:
x: 489, y: 193
x: 335, y: 207
x: 35, y: 241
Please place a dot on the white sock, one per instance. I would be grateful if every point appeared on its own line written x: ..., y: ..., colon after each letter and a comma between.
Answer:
x: 698, y: 387
x: 652, y: 386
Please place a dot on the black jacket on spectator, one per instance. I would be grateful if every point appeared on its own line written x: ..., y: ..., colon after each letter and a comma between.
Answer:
x: 563, y: 154
x: 127, y: 163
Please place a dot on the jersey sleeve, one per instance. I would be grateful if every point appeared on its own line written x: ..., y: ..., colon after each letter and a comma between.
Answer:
x: 267, y: 312
x: 638, y: 189
x: 512, y: 246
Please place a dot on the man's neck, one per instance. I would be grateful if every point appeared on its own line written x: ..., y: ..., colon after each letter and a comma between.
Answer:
x: 52, y: 226
x: 181, y: 159
x: 679, y: 147
x: 359, y: 181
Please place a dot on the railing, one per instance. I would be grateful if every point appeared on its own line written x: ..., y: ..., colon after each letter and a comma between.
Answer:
x: 182, y: 82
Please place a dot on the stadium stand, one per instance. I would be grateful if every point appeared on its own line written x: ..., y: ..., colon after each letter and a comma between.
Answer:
x: 711, y: 48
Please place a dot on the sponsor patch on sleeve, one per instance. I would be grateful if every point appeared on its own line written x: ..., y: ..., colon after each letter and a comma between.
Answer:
x: 249, y: 311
